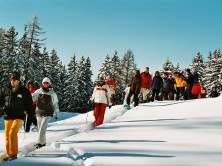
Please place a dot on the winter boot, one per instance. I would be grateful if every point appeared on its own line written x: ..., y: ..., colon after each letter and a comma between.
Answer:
x: 127, y: 106
x: 13, y: 157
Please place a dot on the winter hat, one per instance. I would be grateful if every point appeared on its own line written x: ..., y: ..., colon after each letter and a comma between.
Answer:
x: 15, y: 75
x: 100, y: 79
x: 46, y: 79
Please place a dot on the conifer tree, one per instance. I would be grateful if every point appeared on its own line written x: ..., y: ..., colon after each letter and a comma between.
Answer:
x: 128, y: 66
x: 9, y: 54
x: 63, y: 103
x: 105, y: 70
x: 54, y: 72
x: 198, y: 66
x: 34, y: 31
x: 72, y: 87
x: 116, y: 75
x: 213, y: 73
x: 168, y: 66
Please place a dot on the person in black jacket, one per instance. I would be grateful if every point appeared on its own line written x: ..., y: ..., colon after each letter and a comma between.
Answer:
x: 190, y: 83
x: 17, y: 101
x: 156, y: 86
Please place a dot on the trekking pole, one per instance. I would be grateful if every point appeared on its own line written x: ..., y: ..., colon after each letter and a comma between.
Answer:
x: 26, y: 118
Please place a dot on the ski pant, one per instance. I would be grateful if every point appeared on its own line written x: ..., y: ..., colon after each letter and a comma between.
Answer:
x: 99, y: 112
x: 165, y: 95
x: 135, y: 98
x: 30, y: 120
x: 42, y: 122
x: 188, y: 92
x: 155, y: 94
x: 145, y: 92
x: 180, y: 91
x: 11, y: 136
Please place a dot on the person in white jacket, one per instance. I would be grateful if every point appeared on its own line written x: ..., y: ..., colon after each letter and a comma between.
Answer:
x: 46, y: 105
x: 101, y: 96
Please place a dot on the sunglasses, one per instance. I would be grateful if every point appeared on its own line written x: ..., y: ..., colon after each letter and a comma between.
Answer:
x: 45, y: 83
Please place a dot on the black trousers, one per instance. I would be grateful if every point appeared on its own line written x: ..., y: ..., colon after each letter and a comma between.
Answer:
x: 155, y: 94
x: 30, y: 119
x: 135, y: 98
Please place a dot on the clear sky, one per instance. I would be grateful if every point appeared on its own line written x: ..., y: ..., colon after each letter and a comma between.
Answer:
x: 152, y: 29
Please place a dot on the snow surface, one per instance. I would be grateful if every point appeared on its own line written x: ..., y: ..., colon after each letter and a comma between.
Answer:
x: 167, y: 133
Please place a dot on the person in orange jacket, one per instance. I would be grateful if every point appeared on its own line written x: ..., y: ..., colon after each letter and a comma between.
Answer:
x: 112, y: 86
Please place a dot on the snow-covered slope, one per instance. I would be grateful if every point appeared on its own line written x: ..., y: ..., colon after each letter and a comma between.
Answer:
x: 161, y: 133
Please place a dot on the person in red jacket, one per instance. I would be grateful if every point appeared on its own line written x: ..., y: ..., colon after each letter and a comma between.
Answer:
x: 146, y: 83
x: 196, y: 90
x: 112, y: 86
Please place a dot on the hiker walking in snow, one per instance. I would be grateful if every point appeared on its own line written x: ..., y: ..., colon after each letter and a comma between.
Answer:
x: 112, y: 86
x: 180, y: 84
x: 189, y: 84
x: 146, y: 83
x: 134, y: 89
x: 30, y: 119
x: 126, y: 92
x: 171, y: 87
x: 203, y: 93
x: 16, y: 101
x: 196, y: 90
x: 46, y: 105
x: 213, y: 92
x: 101, y: 96
x: 157, y: 86
x: 166, y: 86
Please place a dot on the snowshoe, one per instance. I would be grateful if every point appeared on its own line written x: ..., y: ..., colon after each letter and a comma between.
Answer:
x: 13, y: 157
x: 127, y: 106
x: 38, y: 146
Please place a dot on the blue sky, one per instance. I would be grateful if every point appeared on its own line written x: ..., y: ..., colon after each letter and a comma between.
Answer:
x: 152, y: 29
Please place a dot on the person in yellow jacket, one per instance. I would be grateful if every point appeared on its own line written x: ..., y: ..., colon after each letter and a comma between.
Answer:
x: 179, y: 85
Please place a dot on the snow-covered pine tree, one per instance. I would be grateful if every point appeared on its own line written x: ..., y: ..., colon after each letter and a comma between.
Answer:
x: 23, y: 52
x: 128, y: 66
x: 34, y: 31
x: 198, y: 66
x: 35, y: 69
x: 115, y: 69
x: 2, y: 33
x: 105, y: 70
x: 85, y: 84
x: 9, y: 54
x: 63, y: 103
x: 54, y: 72
x: 168, y: 66
x: 72, y: 87
x: 213, y: 70
x: 45, y: 62
x: 89, y: 82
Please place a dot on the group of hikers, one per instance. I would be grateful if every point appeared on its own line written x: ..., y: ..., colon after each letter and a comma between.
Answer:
x: 166, y: 86
x: 26, y: 105
x: 29, y: 105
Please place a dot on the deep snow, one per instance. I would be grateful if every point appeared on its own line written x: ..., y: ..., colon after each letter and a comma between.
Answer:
x: 167, y: 133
